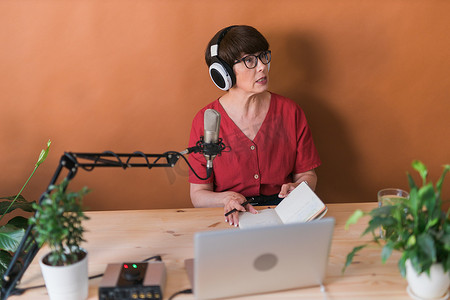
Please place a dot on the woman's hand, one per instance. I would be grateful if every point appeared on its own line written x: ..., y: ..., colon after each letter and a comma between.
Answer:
x: 232, y: 201
x: 309, y: 176
x: 287, y: 188
x: 203, y: 195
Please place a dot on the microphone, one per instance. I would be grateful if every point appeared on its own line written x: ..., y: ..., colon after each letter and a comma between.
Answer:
x: 211, y: 138
x: 209, y: 144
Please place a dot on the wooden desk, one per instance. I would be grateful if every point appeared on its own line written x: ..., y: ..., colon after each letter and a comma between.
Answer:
x: 124, y: 236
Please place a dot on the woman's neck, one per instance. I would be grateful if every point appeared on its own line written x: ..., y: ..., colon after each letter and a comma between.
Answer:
x: 248, y: 113
x: 246, y: 106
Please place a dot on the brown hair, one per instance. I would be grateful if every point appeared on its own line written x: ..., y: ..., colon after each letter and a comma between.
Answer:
x: 240, y: 39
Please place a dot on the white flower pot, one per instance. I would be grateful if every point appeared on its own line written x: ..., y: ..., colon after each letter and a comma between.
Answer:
x: 66, y: 282
x: 423, y: 286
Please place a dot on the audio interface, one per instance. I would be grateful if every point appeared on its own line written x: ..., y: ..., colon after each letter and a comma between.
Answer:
x: 130, y: 281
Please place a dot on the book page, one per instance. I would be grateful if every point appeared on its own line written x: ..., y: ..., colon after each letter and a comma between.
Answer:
x: 301, y: 205
x: 265, y: 217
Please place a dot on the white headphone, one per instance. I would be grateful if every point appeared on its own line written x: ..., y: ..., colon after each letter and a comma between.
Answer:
x: 220, y: 72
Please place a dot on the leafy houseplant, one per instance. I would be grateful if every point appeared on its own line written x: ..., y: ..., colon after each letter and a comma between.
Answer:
x: 58, y: 223
x: 12, y: 233
x: 418, y: 227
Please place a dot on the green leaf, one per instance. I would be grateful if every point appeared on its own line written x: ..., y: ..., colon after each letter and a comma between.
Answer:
x: 376, y: 222
x: 411, y: 182
x: 421, y: 168
x: 411, y: 241
x: 20, y: 203
x: 446, y: 264
x: 20, y: 198
x: 19, y: 222
x: 401, y: 263
x: 446, y: 242
x: 382, y: 211
x: 10, y: 237
x: 432, y: 222
x: 5, y: 259
x: 386, y: 251
x: 441, y: 179
x: 427, y: 197
x: 351, y: 255
x: 414, y: 201
x: 426, y: 245
x: 43, y: 154
x: 354, y: 218
x: 416, y: 260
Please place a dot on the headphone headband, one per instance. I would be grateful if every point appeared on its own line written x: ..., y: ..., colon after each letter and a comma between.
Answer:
x: 218, y: 38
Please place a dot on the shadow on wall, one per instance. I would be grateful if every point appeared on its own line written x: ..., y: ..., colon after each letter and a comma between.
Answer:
x: 299, y: 72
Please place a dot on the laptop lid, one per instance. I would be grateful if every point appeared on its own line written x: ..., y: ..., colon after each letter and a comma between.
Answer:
x: 256, y: 260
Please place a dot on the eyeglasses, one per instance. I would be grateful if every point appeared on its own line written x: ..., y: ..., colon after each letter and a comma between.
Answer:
x: 250, y: 61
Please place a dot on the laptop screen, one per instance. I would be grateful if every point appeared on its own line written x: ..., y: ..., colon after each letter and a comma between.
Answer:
x: 257, y: 260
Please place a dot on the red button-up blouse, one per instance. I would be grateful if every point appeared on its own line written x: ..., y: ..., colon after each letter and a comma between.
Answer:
x: 282, y: 147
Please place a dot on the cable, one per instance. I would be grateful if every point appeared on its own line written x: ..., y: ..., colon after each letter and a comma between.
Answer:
x: 186, y: 291
x: 156, y: 257
x: 190, y: 167
x: 141, y: 154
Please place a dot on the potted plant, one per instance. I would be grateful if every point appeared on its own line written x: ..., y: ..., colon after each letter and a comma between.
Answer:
x: 12, y: 233
x: 58, y: 223
x: 419, y: 228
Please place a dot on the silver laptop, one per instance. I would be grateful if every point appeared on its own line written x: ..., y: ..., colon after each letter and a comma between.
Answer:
x: 257, y: 260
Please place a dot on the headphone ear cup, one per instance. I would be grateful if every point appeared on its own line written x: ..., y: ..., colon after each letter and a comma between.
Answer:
x: 221, y: 74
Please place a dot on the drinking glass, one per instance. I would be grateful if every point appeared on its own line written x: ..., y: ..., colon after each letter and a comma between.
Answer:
x: 388, y: 197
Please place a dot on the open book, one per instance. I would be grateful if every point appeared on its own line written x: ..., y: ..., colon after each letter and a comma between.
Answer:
x: 301, y: 205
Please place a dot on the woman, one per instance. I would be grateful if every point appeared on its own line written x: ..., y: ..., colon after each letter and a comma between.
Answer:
x: 271, y: 147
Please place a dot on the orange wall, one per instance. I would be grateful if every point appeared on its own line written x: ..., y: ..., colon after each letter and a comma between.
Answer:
x: 124, y: 75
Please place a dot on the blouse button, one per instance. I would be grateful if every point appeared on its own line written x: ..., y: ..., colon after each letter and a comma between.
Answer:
x: 256, y: 176
x: 252, y: 147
